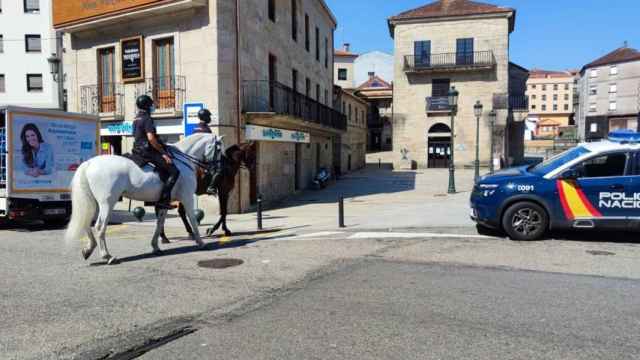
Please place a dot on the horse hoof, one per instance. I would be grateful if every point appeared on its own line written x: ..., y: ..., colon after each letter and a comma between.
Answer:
x: 158, y: 252
x: 165, y: 241
x: 86, y: 253
x: 228, y: 233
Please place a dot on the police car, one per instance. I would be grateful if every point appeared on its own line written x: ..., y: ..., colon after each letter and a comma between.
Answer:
x: 592, y: 186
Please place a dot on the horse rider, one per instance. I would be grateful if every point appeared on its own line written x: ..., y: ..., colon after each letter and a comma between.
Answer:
x: 205, y: 119
x: 150, y: 148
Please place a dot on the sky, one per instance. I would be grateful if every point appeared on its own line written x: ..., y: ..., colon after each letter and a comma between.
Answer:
x: 549, y: 34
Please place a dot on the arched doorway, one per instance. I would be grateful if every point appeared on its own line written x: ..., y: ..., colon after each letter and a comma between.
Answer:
x: 438, y: 146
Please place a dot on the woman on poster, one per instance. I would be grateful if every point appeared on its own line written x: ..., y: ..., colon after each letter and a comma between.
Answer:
x: 37, y: 156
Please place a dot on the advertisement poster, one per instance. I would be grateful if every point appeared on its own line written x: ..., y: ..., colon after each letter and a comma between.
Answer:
x: 47, y: 151
x: 132, y: 59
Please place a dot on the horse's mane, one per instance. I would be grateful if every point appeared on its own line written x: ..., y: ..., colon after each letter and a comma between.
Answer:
x: 189, y: 142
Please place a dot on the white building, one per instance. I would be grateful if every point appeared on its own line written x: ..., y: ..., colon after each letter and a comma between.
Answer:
x: 27, y: 40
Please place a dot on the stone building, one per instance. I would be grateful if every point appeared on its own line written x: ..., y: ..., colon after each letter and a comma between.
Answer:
x: 354, y: 141
x: 263, y: 68
x: 609, y: 94
x: 344, y: 67
x: 462, y: 44
x: 551, y: 97
x: 379, y: 96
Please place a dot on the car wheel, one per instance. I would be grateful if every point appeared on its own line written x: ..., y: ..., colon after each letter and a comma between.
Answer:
x: 525, y: 221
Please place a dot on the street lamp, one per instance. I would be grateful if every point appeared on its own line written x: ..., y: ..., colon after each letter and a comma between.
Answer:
x: 492, y: 122
x: 54, y: 68
x: 453, y: 105
x: 477, y: 110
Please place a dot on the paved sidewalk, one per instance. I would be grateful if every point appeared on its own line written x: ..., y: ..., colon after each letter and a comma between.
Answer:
x: 374, y: 199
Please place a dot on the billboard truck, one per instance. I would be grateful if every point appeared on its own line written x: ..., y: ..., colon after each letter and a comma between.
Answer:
x: 40, y: 151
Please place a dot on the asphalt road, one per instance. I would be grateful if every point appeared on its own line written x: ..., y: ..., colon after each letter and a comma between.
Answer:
x: 390, y: 310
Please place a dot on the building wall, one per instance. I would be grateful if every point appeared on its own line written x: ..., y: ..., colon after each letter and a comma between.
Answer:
x: 375, y: 61
x: 411, y: 123
x: 540, y: 88
x: 16, y: 63
x: 354, y: 141
x: 626, y: 96
x: 345, y: 62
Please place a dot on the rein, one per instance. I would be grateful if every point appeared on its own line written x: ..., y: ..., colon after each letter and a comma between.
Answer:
x: 187, y: 159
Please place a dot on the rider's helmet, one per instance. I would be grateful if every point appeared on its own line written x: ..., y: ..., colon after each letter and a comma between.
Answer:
x: 205, y: 116
x: 144, y: 102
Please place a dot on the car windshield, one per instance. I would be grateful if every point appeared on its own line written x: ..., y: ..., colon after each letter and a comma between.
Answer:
x: 558, y: 160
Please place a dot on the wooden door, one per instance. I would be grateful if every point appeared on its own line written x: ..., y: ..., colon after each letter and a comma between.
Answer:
x: 164, y: 75
x: 106, y: 80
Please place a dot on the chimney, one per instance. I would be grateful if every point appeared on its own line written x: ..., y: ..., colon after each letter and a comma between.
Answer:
x: 371, y: 75
x: 346, y: 47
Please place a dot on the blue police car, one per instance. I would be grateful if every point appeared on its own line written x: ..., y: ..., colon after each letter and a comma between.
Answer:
x: 592, y: 186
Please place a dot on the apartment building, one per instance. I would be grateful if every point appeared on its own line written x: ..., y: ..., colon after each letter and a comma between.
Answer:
x: 609, y: 94
x: 27, y: 41
x: 462, y: 44
x: 344, y: 67
x: 551, y: 101
x: 379, y: 96
x: 263, y: 68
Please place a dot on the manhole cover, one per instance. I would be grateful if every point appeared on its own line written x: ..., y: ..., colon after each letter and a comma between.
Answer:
x: 220, y: 263
x: 600, y: 253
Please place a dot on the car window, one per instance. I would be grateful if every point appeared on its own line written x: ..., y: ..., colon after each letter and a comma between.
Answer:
x: 636, y: 163
x: 603, y: 166
x: 558, y: 160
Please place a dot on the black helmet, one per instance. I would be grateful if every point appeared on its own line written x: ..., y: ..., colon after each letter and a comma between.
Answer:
x: 144, y: 102
x: 204, y: 115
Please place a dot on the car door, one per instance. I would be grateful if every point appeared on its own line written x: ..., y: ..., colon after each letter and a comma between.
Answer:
x: 634, y: 191
x: 596, y: 198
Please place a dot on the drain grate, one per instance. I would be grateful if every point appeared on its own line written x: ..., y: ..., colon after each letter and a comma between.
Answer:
x: 220, y: 263
x: 600, y: 253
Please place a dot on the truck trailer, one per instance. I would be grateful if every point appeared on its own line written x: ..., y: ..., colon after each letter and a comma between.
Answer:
x: 40, y: 151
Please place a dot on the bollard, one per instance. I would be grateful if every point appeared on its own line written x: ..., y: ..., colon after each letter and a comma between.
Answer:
x: 379, y: 163
x: 259, y: 212
x: 341, y: 212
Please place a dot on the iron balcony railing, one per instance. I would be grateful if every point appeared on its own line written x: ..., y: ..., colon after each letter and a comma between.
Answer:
x: 105, y: 100
x: 3, y: 157
x: 438, y: 104
x: 449, y: 61
x: 262, y: 96
x: 511, y: 102
x: 168, y: 92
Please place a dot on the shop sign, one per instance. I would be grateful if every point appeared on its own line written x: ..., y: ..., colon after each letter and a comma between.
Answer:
x: 262, y: 133
x: 118, y: 129
x: 132, y: 50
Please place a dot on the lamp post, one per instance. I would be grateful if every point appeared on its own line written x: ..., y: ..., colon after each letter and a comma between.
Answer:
x: 477, y: 110
x: 54, y: 69
x: 453, y: 105
x: 492, y: 122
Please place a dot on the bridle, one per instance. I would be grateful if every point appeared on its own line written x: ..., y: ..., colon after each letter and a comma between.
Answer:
x: 189, y: 160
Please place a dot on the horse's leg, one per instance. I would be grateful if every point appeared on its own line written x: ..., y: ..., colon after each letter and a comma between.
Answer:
x: 163, y: 236
x: 187, y: 201
x: 161, y: 216
x: 87, y: 251
x: 215, y: 228
x: 101, y: 228
x: 224, y: 201
x: 183, y: 216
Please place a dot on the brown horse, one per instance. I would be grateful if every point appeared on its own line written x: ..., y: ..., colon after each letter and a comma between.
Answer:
x: 233, y: 159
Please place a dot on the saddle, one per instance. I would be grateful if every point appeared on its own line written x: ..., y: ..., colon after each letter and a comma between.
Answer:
x: 141, y: 162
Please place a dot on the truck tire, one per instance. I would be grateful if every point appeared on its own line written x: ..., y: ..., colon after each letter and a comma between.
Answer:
x: 525, y: 221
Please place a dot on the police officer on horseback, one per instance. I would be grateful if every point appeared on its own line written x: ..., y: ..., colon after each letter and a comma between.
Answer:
x: 148, y: 146
x: 205, y: 119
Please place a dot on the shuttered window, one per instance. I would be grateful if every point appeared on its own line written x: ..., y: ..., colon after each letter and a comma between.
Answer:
x: 34, y: 82
x: 33, y: 43
x: 31, y: 6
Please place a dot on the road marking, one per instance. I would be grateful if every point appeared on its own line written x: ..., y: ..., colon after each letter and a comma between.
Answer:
x: 319, y: 234
x: 388, y: 235
x: 224, y: 240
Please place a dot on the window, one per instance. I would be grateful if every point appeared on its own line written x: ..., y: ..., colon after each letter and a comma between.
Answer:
x: 533, y: 107
x: 613, y: 70
x: 533, y: 86
x: 31, y: 6
x: 555, y: 107
x: 326, y: 97
x: 306, y: 32
x: 544, y: 107
x: 326, y: 53
x: 308, y: 87
x: 349, y: 116
x: 544, y: 87
x: 32, y: 43
x: 566, y: 107
x: 318, y: 92
x: 294, y: 20
x: 544, y: 97
x: 555, y: 87
x: 106, y: 80
x: 533, y: 97
x: 422, y: 53
x: 1, y: 44
x: 272, y: 10
x: 164, y: 74
x: 34, y: 82
x: 592, y: 107
x: 566, y: 97
x: 593, y: 89
x: 342, y: 74
x: 613, y: 88
x: 555, y: 97
x: 344, y: 107
x: 294, y: 80
x: 566, y: 86
x: 2, y: 89
x: 593, y: 73
x: 603, y: 166
x: 613, y: 106
x: 317, y: 44
x: 464, y: 51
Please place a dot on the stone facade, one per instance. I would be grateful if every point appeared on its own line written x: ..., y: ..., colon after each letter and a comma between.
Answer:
x: 345, y: 65
x: 354, y: 141
x: 412, y: 123
x: 204, y: 37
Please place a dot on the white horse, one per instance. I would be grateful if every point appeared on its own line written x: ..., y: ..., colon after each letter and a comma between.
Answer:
x: 102, y: 180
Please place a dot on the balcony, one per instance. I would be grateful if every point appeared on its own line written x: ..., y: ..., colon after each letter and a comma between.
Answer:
x: 438, y: 104
x: 105, y: 100
x: 515, y: 103
x: 450, y: 62
x: 261, y: 96
x: 168, y: 94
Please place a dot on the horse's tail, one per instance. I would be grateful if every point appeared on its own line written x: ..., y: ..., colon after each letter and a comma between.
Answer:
x: 83, y: 205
